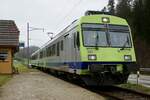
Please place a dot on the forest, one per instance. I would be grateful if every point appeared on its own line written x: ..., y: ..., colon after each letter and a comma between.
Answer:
x: 137, y: 13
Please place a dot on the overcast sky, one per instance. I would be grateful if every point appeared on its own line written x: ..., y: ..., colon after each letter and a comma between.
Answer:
x: 52, y: 15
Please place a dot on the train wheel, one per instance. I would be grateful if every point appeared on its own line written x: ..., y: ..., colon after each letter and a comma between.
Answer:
x: 126, y: 73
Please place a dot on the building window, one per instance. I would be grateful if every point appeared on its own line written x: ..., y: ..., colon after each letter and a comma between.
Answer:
x: 3, y: 54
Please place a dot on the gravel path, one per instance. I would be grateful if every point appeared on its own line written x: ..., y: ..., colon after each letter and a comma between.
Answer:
x: 40, y: 86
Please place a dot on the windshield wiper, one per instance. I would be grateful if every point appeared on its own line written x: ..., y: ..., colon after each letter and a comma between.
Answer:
x: 97, y: 41
x: 125, y: 43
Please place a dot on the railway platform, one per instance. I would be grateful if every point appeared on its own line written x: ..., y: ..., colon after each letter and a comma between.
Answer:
x: 36, y: 85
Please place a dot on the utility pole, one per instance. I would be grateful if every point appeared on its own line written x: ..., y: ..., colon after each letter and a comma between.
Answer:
x: 28, y: 37
x: 28, y: 53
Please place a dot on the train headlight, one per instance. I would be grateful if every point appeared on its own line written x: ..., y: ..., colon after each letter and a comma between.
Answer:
x: 91, y: 57
x: 105, y: 20
x: 127, y: 57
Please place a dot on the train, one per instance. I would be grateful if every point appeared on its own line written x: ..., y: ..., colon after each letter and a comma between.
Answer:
x: 96, y: 48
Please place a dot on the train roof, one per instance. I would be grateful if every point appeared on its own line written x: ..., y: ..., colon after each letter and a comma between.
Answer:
x: 85, y: 19
x: 73, y: 24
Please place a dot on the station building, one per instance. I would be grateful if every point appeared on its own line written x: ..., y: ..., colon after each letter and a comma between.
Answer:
x: 9, y: 44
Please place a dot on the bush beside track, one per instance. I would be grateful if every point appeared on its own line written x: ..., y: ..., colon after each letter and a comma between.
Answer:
x: 145, y: 71
x: 20, y: 67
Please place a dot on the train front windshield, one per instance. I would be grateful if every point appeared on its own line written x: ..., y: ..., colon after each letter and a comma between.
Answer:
x: 106, y: 35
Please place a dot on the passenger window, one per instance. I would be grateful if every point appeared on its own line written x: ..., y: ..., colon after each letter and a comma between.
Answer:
x: 53, y: 50
x: 49, y: 51
x: 62, y: 45
x: 44, y: 53
x: 41, y: 54
x: 58, y: 49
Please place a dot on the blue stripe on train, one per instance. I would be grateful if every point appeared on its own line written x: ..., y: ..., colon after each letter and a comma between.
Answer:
x: 82, y: 65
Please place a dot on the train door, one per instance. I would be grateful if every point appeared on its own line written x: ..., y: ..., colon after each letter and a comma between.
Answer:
x: 58, y: 51
x: 74, y: 47
x: 71, y: 46
x: 77, y: 45
x: 67, y: 48
x: 62, y: 51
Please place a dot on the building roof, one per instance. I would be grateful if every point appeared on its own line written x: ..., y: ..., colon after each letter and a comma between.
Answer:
x: 9, y: 34
x: 8, y: 26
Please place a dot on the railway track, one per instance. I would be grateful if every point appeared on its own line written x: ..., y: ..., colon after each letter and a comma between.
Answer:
x: 118, y: 93
x: 115, y: 92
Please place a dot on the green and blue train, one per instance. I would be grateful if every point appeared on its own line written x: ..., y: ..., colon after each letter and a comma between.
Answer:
x: 97, y: 48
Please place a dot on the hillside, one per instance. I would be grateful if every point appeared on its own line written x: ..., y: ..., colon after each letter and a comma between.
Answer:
x: 23, y: 52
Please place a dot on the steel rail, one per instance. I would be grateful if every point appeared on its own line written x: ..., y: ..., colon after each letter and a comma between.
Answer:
x: 120, y: 93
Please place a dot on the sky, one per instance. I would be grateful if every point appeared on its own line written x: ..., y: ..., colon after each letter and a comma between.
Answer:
x: 52, y: 15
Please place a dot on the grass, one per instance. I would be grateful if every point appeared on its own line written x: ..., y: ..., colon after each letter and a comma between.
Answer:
x: 136, y: 87
x: 4, y: 79
x: 21, y: 67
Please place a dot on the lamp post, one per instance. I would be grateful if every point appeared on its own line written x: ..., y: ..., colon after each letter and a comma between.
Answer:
x: 28, y: 31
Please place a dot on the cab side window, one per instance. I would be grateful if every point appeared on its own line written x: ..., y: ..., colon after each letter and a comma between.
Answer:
x: 78, y: 40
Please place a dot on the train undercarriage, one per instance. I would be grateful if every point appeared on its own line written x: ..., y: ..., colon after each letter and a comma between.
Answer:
x: 104, y: 75
x: 99, y: 76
